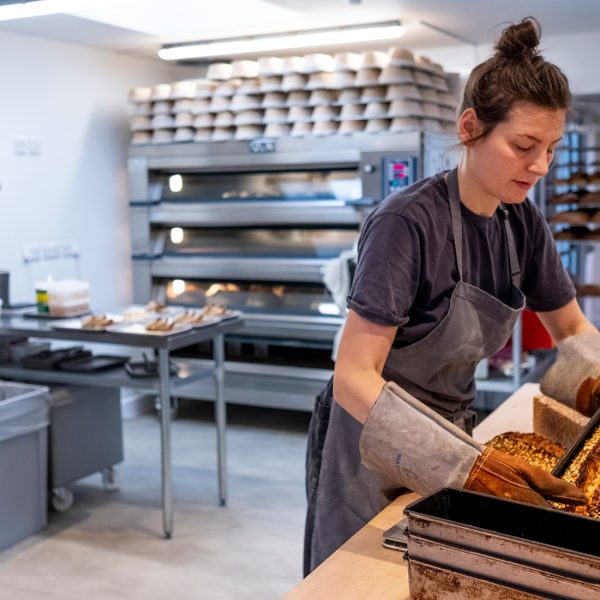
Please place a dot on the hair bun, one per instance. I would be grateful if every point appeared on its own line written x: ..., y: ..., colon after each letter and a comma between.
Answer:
x: 520, y: 39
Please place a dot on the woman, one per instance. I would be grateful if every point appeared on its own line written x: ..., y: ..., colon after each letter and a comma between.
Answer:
x: 444, y: 269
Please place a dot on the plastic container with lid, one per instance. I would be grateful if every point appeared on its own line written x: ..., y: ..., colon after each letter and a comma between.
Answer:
x: 63, y: 298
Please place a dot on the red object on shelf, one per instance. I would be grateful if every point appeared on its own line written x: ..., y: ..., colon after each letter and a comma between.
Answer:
x: 535, y: 335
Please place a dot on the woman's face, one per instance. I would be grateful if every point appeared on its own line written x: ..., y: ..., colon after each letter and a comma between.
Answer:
x: 516, y: 154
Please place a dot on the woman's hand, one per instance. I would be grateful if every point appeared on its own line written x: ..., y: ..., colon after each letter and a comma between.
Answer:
x: 357, y: 380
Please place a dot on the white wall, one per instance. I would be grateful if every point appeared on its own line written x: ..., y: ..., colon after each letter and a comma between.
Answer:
x: 576, y: 55
x: 72, y: 99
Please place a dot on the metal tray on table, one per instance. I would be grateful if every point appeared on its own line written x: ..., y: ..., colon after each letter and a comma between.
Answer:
x: 528, y: 548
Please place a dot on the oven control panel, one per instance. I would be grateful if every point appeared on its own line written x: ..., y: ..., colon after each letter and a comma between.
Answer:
x: 398, y: 173
x: 383, y: 173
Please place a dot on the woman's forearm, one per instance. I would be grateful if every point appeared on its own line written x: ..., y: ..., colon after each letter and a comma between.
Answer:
x: 356, y: 390
x: 566, y: 321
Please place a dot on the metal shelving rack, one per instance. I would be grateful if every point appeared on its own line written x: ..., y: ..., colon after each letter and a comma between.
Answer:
x: 572, y: 190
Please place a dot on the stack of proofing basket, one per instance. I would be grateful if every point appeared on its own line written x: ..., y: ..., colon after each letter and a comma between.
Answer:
x: 297, y: 96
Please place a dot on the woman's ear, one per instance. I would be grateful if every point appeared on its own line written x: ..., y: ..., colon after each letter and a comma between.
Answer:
x: 469, y: 127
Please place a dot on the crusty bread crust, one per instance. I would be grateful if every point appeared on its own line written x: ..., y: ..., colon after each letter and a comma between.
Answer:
x: 556, y: 421
x: 535, y: 449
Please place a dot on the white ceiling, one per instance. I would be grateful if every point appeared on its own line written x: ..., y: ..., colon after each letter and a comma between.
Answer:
x: 140, y: 27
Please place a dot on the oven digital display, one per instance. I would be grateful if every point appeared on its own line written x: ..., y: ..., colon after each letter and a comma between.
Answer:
x: 399, y: 173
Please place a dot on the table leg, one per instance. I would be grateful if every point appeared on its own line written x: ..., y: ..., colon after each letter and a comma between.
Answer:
x: 165, y: 440
x: 220, y: 414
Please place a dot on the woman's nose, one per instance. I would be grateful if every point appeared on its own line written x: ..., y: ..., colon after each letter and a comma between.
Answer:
x: 540, y: 164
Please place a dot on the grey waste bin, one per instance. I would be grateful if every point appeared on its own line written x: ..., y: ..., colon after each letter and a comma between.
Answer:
x: 86, y: 436
x: 23, y: 460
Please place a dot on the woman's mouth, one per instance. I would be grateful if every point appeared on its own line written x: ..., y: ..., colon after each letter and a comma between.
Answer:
x: 524, y: 185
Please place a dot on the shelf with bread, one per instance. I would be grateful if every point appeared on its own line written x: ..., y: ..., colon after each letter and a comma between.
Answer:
x: 577, y: 234
x: 580, y: 198
x: 588, y: 289
x: 313, y: 95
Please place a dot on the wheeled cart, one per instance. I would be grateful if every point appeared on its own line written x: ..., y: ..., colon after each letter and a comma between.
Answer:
x: 85, y: 437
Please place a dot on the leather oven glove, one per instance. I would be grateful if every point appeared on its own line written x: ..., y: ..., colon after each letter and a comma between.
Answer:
x: 511, y: 477
x: 412, y: 446
x: 566, y: 380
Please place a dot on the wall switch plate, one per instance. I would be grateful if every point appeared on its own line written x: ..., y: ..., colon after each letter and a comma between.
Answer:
x: 31, y: 253
x: 20, y: 145
x: 51, y: 251
x: 70, y: 249
x: 34, y: 147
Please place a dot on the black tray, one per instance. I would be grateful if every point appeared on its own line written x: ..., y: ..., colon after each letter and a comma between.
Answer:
x: 34, y: 314
x: 147, y: 368
x: 49, y: 359
x: 573, y: 450
x: 92, y: 364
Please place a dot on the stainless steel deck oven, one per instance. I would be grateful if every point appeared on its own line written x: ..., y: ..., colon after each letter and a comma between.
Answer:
x: 251, y: 226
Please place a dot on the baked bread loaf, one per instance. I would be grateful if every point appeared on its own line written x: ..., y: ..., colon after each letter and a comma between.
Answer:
x: 584, y: 472
x: 535, y: 449
x: 587, y: 289
x: 96, y: 322
x: 572, y: 217
x: 160, y: 325
x: 556, y: 421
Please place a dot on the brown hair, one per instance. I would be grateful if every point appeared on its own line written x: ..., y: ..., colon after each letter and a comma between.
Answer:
x: 517, y: 72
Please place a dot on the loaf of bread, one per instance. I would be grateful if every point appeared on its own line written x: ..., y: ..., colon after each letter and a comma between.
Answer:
x: 556, y: 421
x: 584, y: 472
x: 535, y: 449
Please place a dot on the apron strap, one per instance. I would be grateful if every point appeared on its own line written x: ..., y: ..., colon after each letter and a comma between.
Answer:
x: 513, y: 261
x: 452, y: 183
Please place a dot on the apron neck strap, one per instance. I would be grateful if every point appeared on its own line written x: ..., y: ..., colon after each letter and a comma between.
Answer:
x: 452, y: 183
x: 513, y: 261
x: 515, y: 269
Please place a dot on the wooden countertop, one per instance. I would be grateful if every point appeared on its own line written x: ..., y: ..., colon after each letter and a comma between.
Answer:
x: 362, y: 567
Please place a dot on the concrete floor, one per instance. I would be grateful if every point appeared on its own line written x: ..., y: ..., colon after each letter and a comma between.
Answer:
x: 110, y: 545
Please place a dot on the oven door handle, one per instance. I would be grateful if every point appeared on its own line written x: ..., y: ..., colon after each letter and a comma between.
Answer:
x: 361, y: 202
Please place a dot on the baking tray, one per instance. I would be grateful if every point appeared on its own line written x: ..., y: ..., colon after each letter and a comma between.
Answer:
x: 551, y: 540
x: 147, y: 368
x: 49, y: 359
x: 205, y: 321
x: 77, y: 324
x: 140, y: 329
x: 33, y: 314
x: 92, y: 364
x: 396, y: 537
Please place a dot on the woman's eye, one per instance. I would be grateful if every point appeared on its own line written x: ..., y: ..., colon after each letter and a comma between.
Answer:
x: 523, y: 148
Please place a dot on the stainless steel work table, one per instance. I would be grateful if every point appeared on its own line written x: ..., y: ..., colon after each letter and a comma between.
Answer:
x: 164, y: 384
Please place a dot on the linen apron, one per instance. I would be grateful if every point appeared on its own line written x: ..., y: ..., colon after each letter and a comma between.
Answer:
x: 439, y: 369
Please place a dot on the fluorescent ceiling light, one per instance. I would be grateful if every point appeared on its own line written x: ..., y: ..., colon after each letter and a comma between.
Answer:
x: 39, y: 8
x: 305, y: 39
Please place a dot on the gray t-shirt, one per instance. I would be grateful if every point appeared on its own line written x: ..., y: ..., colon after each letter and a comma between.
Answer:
x: 406, y: 268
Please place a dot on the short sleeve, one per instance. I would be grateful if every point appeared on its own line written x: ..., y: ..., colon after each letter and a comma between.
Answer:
x: 387, y: 271
x: 546, y: 285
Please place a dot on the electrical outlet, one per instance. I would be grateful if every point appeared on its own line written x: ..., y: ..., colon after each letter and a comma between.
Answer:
x: 31, y: 253
x: 51, y: 251
x: 20, y: 145
x: 70, y: 249
x: 34, y: 147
